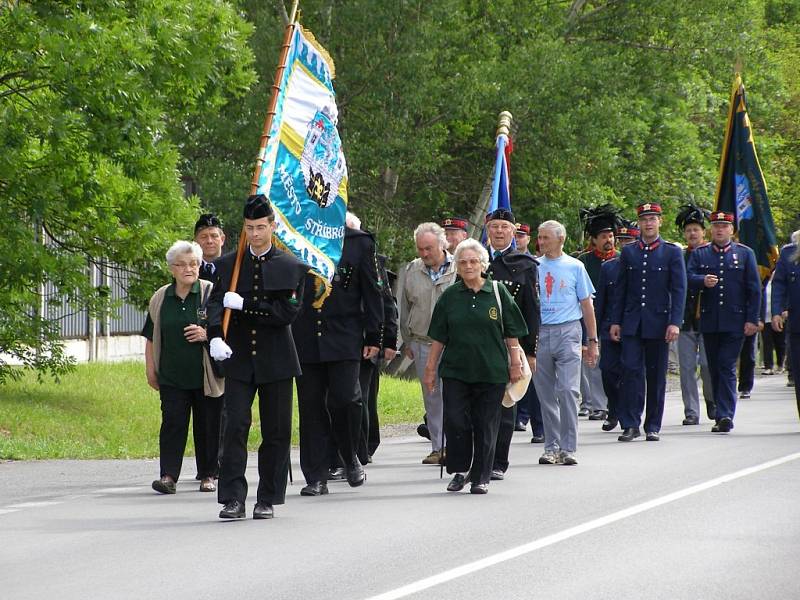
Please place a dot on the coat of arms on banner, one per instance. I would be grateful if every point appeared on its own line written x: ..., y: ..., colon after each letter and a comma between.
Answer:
x: 322, y: 161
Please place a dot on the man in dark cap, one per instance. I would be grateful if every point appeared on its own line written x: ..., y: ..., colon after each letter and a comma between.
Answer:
x: 691, y: 220
x: 611, y: 351
x: 209, y: 235
x: 647, y: 315
x: 599, y: 224
x: 455, y: 230
x: 259, y: 356
x: 730, y: 303
x: 519, y: 274
x: 332, y: 340
x: 522, y: 237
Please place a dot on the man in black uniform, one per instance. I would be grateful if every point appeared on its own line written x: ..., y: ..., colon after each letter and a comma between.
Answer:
x: 518, y: 272
x: 331, y: 342
x: 210, y: 237
x: 259, y: 356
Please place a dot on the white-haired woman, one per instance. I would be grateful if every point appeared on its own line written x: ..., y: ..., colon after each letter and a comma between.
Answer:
x: 178, y: 366
x: 474, y: 338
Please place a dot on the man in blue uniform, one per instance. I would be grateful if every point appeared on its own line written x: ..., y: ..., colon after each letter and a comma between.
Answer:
x: 611, y: 351
x: 727, y: 274
x: 646, y: 317
x: 785, y: 304
x: 691, y: 220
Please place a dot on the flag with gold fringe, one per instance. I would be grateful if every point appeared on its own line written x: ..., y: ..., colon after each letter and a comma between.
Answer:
x: 304, y: 172
x: 741, y: 188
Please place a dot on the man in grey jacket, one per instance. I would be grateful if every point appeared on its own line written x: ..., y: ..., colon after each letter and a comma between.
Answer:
x: 422, y: 281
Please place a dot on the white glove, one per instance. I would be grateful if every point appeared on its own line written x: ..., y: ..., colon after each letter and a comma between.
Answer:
x: 218, y: 349
x: 233, y: 301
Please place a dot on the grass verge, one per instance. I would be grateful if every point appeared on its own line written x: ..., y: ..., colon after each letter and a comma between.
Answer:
x: 106, y: 410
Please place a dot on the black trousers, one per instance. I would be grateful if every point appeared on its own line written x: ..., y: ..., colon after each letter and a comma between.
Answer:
x: 471, y: 422
x: 611, y: 368
x: 329, y: 399
x: 793, y: 357
x: 773, y: 347
x: 275, y: 413
x: 369, y: 378
x: 176, y: 408
x: 508, y: 418
x: 747, y: 364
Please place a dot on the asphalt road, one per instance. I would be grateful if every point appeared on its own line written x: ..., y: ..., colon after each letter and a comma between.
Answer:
x: 695, y: 516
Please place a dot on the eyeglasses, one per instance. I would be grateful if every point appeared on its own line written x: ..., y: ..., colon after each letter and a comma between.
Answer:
x: 463, y: 262
x: 191, y: 265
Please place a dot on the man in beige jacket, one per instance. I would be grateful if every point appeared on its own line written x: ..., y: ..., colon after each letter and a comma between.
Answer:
x: 422, y: 281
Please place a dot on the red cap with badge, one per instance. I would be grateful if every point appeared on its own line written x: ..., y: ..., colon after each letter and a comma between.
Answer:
x: 721, y: 217
x: 455, y: 223
x: 648, y: 208
x: 523, y: 228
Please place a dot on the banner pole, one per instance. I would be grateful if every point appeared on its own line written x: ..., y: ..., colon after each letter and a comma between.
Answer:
x: 276, y: 86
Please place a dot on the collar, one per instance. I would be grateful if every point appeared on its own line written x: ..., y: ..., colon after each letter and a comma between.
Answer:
x: 254, y: 255
x: 604, y: 255
x: 724, y: 248
x: 486, y: 287
x: 171, y: 289
x: 205, y: 263
x: 502, y: 252
x: 651, y: 246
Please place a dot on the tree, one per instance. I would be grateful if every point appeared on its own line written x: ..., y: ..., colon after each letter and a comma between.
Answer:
x: 92, y: 97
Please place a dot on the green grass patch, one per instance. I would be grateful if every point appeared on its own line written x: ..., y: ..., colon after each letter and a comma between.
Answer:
x: 106, y: 410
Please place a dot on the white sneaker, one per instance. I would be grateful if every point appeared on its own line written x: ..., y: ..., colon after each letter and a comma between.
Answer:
x: 548, y: 458
x: 567, y: 458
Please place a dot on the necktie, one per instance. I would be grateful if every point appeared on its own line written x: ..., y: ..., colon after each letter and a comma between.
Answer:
x: 497, y: 254
x: 208, y: 270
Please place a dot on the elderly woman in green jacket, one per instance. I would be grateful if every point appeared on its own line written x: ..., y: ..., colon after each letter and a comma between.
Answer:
x: 179, y: 368
x: 474, y: 335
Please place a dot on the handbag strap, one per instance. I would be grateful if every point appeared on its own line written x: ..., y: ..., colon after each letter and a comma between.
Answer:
x: 499, y: 305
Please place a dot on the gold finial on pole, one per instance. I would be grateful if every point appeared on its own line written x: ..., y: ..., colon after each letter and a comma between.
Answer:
x: 293, y: 14
x: 504, y: 123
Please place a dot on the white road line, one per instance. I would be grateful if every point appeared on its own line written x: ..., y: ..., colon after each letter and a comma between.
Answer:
x: 35, y: 504
x: 5, y: 511
x: 429, y: 582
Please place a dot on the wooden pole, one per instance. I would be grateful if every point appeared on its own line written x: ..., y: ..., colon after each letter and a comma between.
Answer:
x: 276, y: 86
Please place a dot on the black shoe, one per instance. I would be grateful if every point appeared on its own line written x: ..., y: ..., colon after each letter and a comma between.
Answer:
x: 652, y: 436
x: 232, y: 510
x: 336, y: 474
x: 518, y: 426
x: 744, y: 395
x: 355, y: 474
x: 597, y: 415
x: 263, y: 511
x: 537, y: 439
x: 497, y: 475
x: 422, y: 430
x: 691, y: 421
x: 457, y: 483
x: 479, y: 488
x: 583, y: 412
x: 715, y: 428
x: 724, y: 425
x: 630, y: 434
x: 164, y: 486
x: 610, y: 424
x: 317, y: 488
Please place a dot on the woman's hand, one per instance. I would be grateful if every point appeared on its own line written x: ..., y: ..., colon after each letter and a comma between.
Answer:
x: 194, y: 333
x: 515, y: 371
x: 429, y: 379
x: 152, y: 379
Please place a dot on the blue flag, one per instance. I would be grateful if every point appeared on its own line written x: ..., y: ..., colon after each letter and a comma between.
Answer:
x: 304, y: 172
x: 741, y: 189
x: 501, y: 183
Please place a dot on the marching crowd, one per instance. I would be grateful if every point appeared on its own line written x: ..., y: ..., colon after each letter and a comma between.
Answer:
x: 586, y: 335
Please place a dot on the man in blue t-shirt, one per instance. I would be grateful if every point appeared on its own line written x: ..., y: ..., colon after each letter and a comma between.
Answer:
x: 565, y: 293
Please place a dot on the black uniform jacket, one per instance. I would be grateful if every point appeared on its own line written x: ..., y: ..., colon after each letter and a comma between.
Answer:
x: 389, y: 325
x: 260, y: 334
x: 519, y: 273
x: 352, y: 315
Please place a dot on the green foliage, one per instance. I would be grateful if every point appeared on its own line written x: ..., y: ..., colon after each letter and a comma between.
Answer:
x: 78, y: 418
x: 613, y: 102
x: 92, y: 96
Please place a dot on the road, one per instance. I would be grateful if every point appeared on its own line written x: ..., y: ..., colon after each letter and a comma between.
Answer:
x: 695, y: 516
